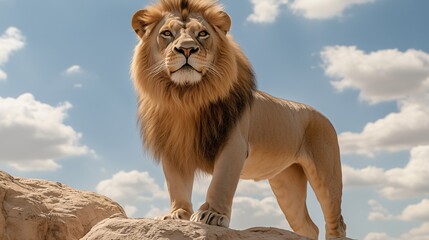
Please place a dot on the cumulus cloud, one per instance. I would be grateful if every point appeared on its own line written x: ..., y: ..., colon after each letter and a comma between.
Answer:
x: 323, y: 9
x: 382, y: 75
x: 378, y: 212
x: 130, y: 210
x: 74, y: 69
x: 248, y: 212
x: 395, y: 183
x: 416, y: 212
x: 10, y: 41
x: 385, y: 75
x: 419, y: 233
x: 156, y: 212
x: 131, y: 185
x: 33, y: 136
x: 253, y: 188
x: 378, y: 236
x: 412, y: 179
x: 369, y: 176
x: 419, y: 211
x: 244, y: 187
x: 395, y: 132
x: 134, y: 190
x: 265, y: 11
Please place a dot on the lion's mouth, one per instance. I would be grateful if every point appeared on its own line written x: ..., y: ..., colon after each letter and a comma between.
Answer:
x: 186, y: 75
x: 186, y: 67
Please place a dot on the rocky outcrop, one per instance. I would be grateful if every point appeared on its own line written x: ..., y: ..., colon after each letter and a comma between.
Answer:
x: 119, y: 228
x: 38, y: 209
x: 34, y: 209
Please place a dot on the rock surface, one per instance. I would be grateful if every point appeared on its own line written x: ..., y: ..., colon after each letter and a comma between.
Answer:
x: 34, y: 209
x: 119, y: 228
x: 38, y: 209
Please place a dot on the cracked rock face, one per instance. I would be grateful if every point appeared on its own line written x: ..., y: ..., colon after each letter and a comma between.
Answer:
x: 136, y: 229
x: 34, y: 209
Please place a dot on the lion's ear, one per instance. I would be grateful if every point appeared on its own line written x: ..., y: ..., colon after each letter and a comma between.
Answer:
x: 224, y: 22
x: 138, y: 22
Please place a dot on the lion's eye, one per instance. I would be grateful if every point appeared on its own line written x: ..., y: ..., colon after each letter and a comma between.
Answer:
x: 203, y: 34
x: 166, y: 34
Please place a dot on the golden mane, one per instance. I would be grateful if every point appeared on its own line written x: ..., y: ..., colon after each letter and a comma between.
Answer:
x: 188, y: 124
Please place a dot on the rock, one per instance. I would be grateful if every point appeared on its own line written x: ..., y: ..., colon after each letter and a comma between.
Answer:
x: 38, y: 209
x: 120, y: 228
x: 34, y: 209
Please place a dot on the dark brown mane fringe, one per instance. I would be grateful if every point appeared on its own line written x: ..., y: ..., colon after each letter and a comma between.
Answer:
x: 217, y: 120
x: 184, y: 9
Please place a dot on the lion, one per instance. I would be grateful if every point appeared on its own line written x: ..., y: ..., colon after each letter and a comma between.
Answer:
x: 199, y: 111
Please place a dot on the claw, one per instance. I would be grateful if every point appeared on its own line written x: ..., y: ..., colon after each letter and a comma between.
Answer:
x: 179, y: 214
x: 210, y: 218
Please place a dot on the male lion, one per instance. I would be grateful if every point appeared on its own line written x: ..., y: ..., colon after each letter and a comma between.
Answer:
x: 199, y: 110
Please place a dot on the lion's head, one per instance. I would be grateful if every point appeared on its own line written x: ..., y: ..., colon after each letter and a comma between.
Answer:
x: 185, y: 52
x: 192, y: 80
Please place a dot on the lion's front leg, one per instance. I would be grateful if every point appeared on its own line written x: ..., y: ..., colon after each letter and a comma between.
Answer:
x: 226, y: 174
x: 179, y: 186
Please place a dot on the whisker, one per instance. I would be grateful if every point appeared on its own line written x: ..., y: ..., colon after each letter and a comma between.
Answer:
x: 212, y: 69
x: 157, y: 68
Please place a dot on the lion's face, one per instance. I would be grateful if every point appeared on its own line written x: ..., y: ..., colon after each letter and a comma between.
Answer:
x: 185, y: 48
x: 185, y: 55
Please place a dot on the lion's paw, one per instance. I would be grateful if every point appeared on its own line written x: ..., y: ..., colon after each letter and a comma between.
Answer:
x: 179, y: 214
x: 210, y: 218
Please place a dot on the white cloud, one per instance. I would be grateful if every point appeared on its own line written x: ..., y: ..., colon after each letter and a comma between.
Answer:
x: 369, y: 176
x: 419, y: 233
x: 385, y: 75
x: 253, y: 188
x: 156, y: 212
x: 415, y: 212
x: 378, y: 212
x: 395, y: 183
x: 412, y: 179
x: 134, y: 190
x: 3, y: 75
x: 135, y: 185
x: 33, y: 135
x: 379, y: 76
x: 419, y: 211
x: 265, y: 11
x: 201, y: 184
x: 130, y: 210
x: 323, y: 9
x: 244, y: 187
x: 395, y: 132
x: 10, y: 41
x: 248, y: 212
x: 378, y: 236
x: 74, y: 69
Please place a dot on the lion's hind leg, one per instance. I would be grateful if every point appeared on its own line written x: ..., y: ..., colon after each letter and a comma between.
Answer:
x: 290, y: 189
x: 320, y: 160
x: 327, y: 188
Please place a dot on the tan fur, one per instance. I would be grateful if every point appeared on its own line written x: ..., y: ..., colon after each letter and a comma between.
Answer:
x: 208, y: 116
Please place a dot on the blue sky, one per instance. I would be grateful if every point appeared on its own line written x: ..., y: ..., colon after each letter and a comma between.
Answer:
x: 67, y: 105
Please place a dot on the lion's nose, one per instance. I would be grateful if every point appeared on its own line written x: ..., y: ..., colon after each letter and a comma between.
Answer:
x: 186, y: 51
